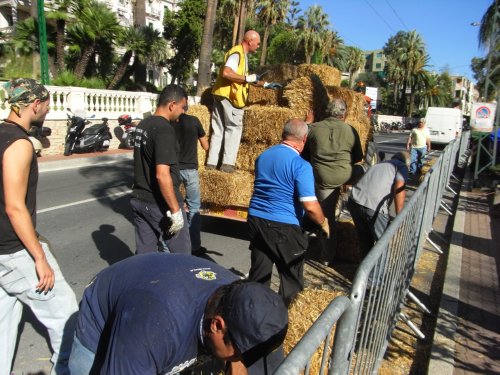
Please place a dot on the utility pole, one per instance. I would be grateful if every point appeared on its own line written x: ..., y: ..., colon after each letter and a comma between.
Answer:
x: 42, y: 37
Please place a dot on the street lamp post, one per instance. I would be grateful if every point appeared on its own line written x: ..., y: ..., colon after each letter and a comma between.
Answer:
x: 42, y: 37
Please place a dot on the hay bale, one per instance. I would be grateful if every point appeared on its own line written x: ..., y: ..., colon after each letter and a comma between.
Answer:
x: 305, y: 93
x: 284, y: 73
x: 280, y: 73
x: 203, y: 114
x: 348, y: 242
x: 247, y: 154
x: 260, y: 96
x: 329, y: 75
x: 264, y: 124
x: 226, y: 189
x: 302, y: 313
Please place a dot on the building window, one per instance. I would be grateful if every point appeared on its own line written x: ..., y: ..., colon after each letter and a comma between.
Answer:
x: 379, y: 55
x: 150, y: 76
x: 378, y: 66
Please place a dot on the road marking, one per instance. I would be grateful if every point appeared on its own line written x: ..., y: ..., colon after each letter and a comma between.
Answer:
x: 83, y: 201
x: 389, y: 140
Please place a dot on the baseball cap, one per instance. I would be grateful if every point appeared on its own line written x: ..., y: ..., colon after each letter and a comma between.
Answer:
x: 21, y: 92
x: 257, y: 320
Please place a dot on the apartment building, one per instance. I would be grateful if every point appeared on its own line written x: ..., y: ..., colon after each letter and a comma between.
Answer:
x: 465, y: 92
x: 374, y: 61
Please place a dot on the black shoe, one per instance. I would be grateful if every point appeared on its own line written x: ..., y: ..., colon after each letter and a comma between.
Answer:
x: 228, y: 168
x: 199, y: 251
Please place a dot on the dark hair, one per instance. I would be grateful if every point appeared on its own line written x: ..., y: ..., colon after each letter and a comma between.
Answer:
x: 171, y: 93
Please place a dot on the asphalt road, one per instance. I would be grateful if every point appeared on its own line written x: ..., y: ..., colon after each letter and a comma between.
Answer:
x: 85, y: 214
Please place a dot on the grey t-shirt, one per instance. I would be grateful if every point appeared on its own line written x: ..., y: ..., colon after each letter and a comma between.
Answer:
x: 374, y: 189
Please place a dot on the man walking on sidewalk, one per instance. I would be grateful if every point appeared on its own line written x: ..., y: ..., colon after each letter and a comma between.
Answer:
x: 159, y: 218
x: 29, y: 273
x: 419, y: 143
x: 189, y: 132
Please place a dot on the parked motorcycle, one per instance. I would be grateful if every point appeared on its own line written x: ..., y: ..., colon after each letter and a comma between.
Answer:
x: 80, y: 139
x: 38, y: 136
x: 127, y: 139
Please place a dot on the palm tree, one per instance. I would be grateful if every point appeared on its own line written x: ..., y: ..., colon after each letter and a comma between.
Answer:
x: 293, y: 13
x: 355, y: 61
x: 410, y: 54
x: 61, y: 13
x: 418, y: 79
x: 404, y: 52
x: 270, y: 12
x: 94, y: 22
x: 229, y: 10
x: 489, y: 25
x: 329, y: 46
x: 311, y: 25
x: 204, y: 62
x: 133, y: 39
x: 394, y: 75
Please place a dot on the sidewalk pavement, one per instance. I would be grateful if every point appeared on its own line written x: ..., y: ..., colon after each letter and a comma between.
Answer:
x: 52, y: 163
x: 467, y: 334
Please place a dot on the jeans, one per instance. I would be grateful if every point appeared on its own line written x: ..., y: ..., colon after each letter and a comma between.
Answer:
x: 227, y: 125
x: 191, y: 181
x: 417, y: 157
x: 56, y: 309
x: 150, y: 230
x: 81, y: 359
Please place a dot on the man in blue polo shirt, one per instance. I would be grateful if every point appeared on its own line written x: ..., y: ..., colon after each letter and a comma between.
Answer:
x: 164, y: 313
x: 283, y: 190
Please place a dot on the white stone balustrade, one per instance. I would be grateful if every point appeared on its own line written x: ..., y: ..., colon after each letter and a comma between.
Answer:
x: 97, y: 104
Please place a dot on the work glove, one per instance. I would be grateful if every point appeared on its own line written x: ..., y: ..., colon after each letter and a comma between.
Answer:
x: 272, y: 85
x: 177, y: 222
x: 252, y: 78
x: 325, y: 228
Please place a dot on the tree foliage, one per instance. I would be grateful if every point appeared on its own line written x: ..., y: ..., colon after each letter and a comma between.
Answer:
x: 184, y: 30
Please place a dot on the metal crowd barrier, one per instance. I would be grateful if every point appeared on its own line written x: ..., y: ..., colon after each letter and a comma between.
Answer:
x: 364, y: 323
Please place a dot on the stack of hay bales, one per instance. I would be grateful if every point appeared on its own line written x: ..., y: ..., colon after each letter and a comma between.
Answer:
x: 302, y: 313
x: 263, y: 122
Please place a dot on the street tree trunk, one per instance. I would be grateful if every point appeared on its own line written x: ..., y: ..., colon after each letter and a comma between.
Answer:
x: 235, y: 26
x: 205, y: 62
x: 60, y: 27
x: 263, y: 54
x: 120, y: 71
x: 242, y: 20
x: 82, y: 64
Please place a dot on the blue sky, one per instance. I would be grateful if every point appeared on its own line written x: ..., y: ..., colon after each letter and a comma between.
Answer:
x: 445, y: 26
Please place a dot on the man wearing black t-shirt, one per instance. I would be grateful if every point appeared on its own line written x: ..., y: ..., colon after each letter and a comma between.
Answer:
x: 159, y: 219
x: 189, y: 132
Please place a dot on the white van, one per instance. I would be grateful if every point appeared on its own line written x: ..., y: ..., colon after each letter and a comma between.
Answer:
x: 445, y: 124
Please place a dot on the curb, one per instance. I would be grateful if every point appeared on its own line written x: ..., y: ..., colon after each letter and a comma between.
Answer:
x: 442, y: 359
x: 72, y: 163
